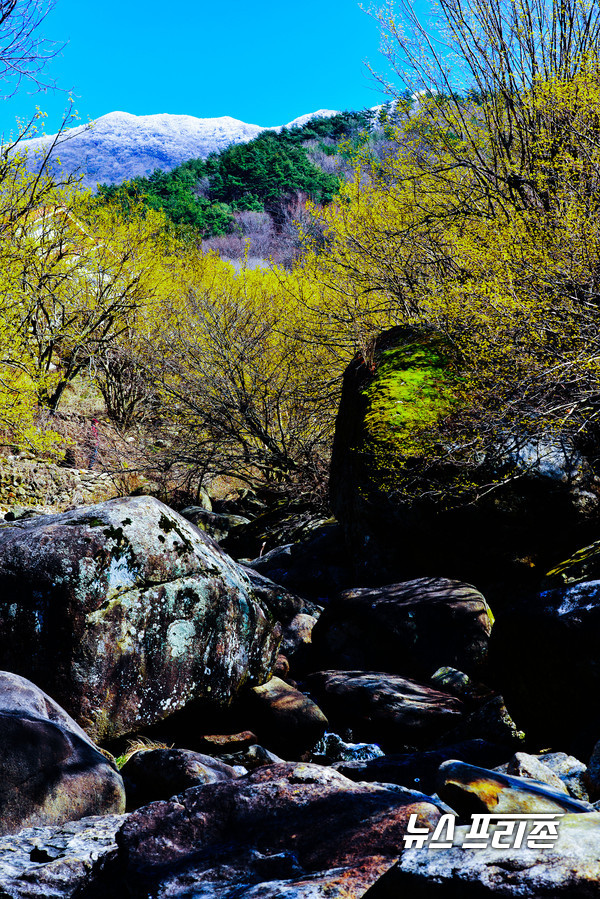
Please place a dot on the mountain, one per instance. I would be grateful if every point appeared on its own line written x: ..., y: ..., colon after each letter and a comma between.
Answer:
x: 120, y: 146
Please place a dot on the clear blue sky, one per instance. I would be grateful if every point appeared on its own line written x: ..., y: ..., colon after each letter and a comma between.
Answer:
x: 264, y: 62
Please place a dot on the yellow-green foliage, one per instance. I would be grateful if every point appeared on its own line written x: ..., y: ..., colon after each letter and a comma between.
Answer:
x: 509, y: 284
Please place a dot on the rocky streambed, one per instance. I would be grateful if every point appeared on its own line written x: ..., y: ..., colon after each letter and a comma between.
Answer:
x: 332, y: 742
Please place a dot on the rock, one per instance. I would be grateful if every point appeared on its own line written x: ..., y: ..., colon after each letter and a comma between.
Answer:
x: 55, y: 862
x: 570, y: 771
x: 317, y: 568
x: 285, y: 719
x: 296, y: 643
x: 126, y: 613
x: 284, y: 523
x: 282, y: 604
x: 255, y: 756
x: 570, y: 868
x: 420, y: 770
x: 383, y: 708
x: 524, y: 765
x: 467, y: 788
x: 282, y: 667
x: 217, y: 526
x: 460, y: 684
x: 545, y: 494
x: 50, y: 772
x: 491, y: 721
x: 215, y: 744
x: 161, y: 773
x: 593, y: 771
x: 287, y: 823
x: 203, y: 503
x: 411, y: 628
x: 554, y: 635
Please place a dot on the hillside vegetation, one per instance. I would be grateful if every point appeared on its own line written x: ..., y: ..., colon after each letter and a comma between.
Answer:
x: 472, y: 219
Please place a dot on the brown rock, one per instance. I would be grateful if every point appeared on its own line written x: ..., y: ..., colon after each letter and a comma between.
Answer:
x: 412, y: 628
x: 289, y: 823
x: 50, y: 772
x: 384, y: 708
x: 524, y: 765
x: 215, y: 744
x: 286, y: 719
x: 161, y: 773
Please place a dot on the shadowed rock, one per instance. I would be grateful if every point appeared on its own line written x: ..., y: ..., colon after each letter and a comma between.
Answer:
x: 50, y: 772
x: 411, y: 628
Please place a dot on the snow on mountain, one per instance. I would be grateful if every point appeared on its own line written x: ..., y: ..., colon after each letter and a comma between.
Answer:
x: 120, y: 146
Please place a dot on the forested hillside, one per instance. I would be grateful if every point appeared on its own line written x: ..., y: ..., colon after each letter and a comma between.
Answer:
x: 252, y: 193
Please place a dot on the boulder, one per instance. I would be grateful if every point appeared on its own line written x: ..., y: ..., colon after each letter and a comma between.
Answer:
x: 411, y: 628
x: 544, y: 652
x: 218, y: 526
x: 296, y: 643
x: 468, y: 789
x: 56, y: 862
x: 161, y: 773
x: 288, y: 827
x: 524, y: 765
x: 570, y: 771
x: 317, y: 567
x: 383, y: 708
x: 285, y: 719
x: 569, y: 868
x: 50, y: 772
x: 405, y: 517
x: 126, y: 612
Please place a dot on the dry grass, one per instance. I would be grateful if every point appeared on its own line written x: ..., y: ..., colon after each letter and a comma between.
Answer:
x: 140, y: 744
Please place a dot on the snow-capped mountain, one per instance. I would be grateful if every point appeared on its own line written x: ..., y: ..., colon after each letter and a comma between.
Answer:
x: 120, y: 146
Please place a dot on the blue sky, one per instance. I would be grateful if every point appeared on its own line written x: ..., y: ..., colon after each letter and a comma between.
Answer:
x: 264, y: 62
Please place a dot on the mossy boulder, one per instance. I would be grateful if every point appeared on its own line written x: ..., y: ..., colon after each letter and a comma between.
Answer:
x: 414, y: 496
x: 126, y: 612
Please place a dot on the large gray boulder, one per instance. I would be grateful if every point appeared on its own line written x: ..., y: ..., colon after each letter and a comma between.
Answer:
x: 55, y: 862
x: 50, y: 772
x: 126, y: 612
x: 571, y: 867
